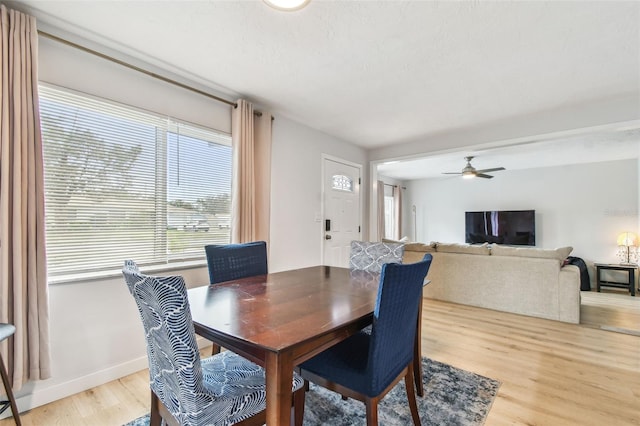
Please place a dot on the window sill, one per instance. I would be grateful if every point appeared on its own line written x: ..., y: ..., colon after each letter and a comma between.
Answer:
x: 117, y: 273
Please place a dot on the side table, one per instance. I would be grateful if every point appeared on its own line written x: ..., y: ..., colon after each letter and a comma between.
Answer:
x: 630, y: 285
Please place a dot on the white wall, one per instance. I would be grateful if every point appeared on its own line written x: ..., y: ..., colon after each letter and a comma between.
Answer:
x: 68, y: 67
x: 96, y: 333
x: 296, y: 192
x: 584, y: 206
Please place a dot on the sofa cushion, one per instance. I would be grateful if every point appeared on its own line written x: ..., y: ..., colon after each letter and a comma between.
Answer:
x: 463, y: 248
x: 402, y: 240
x: 414, y: 252
x: 422, y: 248
x: 560, y: 253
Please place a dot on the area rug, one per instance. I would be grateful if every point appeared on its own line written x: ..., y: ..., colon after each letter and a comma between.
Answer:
x: 452, y: 397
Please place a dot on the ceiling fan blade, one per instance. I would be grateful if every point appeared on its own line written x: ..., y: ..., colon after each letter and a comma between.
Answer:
x: 451, y: 173
x: 495, y: 169
x: 482, y: 175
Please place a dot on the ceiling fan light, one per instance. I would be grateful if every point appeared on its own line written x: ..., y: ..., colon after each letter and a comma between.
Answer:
x: 468, y: 175
x: 287, y: 5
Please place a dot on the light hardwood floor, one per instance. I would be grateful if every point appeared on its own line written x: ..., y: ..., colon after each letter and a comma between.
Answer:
x: 611, y: 309
x: 552, y: 373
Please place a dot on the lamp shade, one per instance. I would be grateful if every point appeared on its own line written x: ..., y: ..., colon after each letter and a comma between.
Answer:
x: 627, y: 239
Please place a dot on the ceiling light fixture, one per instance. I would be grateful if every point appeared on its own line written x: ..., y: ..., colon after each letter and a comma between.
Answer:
x: 287, y: 5
x: 468, y: 175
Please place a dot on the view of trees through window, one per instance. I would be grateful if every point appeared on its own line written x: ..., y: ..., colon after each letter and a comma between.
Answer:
x: 121, y: 183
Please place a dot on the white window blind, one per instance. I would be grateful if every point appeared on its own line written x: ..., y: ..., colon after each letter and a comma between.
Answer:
x: 121, y: 183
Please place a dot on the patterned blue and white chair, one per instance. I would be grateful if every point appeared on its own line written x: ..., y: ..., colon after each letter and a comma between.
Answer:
x: 367, y: 366
x: 224, y: 389
x: 370, y: 256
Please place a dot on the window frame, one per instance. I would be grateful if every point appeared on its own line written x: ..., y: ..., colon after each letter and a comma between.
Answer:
x: 173, y: 125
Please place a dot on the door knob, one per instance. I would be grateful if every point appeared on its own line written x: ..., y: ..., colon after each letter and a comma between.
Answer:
x: 327, y: 237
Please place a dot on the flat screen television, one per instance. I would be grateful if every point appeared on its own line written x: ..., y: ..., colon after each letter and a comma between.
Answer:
x: 511, y: 227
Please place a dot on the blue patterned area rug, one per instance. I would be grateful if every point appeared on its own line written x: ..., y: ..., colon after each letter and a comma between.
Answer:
x: 452, y: 397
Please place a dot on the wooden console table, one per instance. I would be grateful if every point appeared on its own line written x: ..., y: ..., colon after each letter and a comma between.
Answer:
x: 630, y: 269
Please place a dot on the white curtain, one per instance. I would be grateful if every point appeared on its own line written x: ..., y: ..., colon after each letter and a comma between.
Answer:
x: 262, y: 148
x: 24, y: 298
x: 380, y: 209
x: 397, y: 210
x: 251, y: 193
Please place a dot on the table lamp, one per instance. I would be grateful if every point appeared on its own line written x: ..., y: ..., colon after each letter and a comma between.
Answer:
x: 626, y: 240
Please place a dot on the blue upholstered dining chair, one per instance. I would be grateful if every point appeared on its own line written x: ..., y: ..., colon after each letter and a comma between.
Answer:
x: 234, y: 261
x: 186, y: 390
x: 370, y: 256
x: 367, y: 366
x: 228, y: 262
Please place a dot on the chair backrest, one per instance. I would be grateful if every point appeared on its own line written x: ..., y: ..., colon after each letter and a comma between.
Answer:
x: 370, y: 256
x: 174, y: 361
x: 234, y: 261
x: 395, y: 320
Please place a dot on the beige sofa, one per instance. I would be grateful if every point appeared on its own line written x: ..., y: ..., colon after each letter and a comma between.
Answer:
x: 526, y: 281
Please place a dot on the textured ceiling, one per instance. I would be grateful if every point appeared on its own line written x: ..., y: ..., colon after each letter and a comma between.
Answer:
x: 377, y: 73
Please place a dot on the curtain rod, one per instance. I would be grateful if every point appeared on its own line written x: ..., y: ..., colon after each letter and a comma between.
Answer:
x: 395, y: 186
x: 138, y: 69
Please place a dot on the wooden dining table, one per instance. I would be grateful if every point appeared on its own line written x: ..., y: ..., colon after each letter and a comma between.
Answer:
x: 280, y: 320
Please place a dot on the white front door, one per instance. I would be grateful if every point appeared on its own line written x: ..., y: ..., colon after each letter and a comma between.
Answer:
x: 341, y: 225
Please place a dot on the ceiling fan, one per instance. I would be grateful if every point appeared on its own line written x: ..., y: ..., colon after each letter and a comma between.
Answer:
x: 469, y: 171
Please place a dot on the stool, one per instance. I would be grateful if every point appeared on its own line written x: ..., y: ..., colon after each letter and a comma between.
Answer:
x: 6, y: 331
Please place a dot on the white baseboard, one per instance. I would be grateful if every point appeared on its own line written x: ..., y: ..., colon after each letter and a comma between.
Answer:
x: 43, y: 394
x: 47, y: 394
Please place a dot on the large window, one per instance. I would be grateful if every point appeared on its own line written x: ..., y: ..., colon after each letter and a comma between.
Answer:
x: 121, y: 183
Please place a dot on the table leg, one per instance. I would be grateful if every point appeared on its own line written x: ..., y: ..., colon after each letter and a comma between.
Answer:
x: 632, y: 281
x: 279, y: 377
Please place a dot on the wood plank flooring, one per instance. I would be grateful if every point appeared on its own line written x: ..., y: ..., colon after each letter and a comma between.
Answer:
x: 611, y: 309
x: 552, y: 373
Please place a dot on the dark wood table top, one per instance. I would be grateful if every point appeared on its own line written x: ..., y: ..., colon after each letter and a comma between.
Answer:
x: 280, y: 320
x: 284, y: 309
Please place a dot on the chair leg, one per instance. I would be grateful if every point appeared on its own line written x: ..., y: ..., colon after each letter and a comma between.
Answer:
x: 417, y: 354
x: 156, y: 419
x: 372, y: 411
x: 411, y: 395
x: 417, y: 375
x: 9, y: 391
x: 215, y: 349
